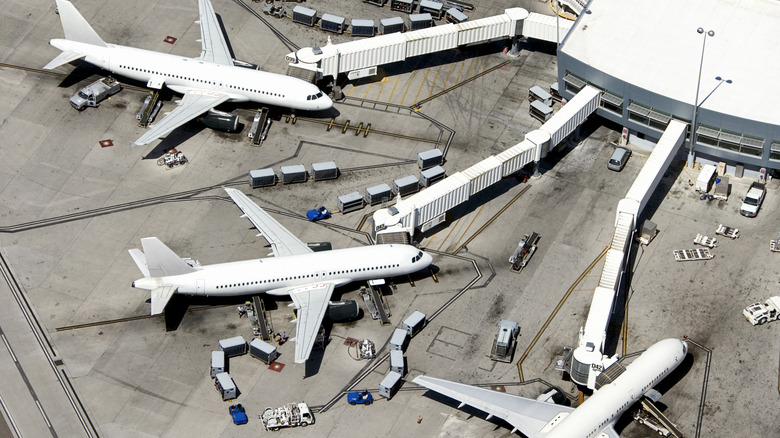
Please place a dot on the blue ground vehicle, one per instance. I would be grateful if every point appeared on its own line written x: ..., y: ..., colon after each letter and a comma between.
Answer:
x: 317, y: 214
x: 238, y: 414
x: 360, y: 397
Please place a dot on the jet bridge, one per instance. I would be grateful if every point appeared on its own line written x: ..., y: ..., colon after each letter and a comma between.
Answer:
x: 588, y: 359
x: 429, y: 206
x: 360, y: 58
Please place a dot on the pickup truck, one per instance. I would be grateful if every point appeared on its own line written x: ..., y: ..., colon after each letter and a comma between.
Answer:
x: 753, y: 199
x: 94, y: 93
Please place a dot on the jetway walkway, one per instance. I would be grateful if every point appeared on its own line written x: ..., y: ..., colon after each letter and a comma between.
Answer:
x: 360, y: 58
x: 588, y: 359
x: 429, y: 206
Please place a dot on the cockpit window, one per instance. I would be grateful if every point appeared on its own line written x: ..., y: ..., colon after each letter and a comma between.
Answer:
x: 417, y: 257
x: 318, y: 95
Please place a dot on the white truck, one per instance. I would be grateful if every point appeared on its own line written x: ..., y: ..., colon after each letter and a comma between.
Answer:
x: 761, y: 313
x: 753, y: 199
x: 289, y: 415
x: 92, y: 94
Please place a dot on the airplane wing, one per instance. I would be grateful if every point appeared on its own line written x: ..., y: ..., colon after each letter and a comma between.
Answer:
x: 282, y: 241
x: 524, y: 414
x: 214, y: 46
x: 193, y: 104
x: 312, y: 302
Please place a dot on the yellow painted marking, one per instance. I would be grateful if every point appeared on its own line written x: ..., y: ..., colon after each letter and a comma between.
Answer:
x: 408, y: 84
x: 351, y: 90
x: 460, y: 70
x: 384, y: 80
x: 416, y: 98
x: 366, y: 93
x: 397, y: 78
x: 435, y: 77
x: 471, y: 69
x: 452, y: 228
x: 444, y: 87
x: 463, y: 234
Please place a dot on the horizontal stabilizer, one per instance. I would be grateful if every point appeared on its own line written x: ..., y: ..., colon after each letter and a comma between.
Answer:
x: 160, y: 298
x: 63, y: 58
x: 161, y: 261
x: 140, y: 260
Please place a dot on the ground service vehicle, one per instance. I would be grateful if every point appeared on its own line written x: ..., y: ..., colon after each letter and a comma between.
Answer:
x: 618, y: 159
x: 238, y: 413
x: 92, y: 94
x: 753, y: 199
x: 761, y: 313
x: 289, y: 415
x: 360, y: 398
x: 317, y: 214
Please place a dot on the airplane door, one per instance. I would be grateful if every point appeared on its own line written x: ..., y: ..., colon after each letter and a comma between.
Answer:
x: 200, y: 286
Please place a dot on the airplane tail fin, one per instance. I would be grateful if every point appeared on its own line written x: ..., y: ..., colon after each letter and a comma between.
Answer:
x: 76, y: 27
x: 161, y: 261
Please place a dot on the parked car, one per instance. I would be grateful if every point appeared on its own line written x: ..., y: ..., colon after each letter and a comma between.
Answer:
x: 753, y: 199
x: 360, y: 398
x: 618, y: 159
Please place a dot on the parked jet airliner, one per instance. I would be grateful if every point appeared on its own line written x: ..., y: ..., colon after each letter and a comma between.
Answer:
x: 595, y: 418
x: 205, y: 82
x: 307, y: 277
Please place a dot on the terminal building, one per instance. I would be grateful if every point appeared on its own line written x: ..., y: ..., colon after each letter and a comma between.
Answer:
x: 651, y: 61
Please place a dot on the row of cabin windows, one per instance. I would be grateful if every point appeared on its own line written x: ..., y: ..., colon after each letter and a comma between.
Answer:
x: 200, y: 80
x: 305, y: 276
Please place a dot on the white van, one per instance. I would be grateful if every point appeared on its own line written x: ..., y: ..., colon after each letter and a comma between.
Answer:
x: 618, y: 159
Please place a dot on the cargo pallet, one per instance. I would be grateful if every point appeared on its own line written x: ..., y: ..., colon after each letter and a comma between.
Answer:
x: 731, y: 233
x: 685, y: 255
x: 703, y: 240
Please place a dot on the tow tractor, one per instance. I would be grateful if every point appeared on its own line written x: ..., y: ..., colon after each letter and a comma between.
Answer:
x: 360, y: 398
x: 317, y: 214
x: 525, y: 250
x: 761, y: 313
x: 289, y: 415
x: 238, y: 413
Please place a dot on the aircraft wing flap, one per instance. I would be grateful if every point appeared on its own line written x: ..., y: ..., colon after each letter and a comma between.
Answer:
x: 193, y: 104
x: 311, y: 301
x: 63, y: 58
x: 524, y: 414
x: 214, y: 46
x: 282, y: 241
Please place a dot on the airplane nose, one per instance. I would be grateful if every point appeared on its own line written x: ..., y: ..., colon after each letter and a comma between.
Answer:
x: 427, y: 258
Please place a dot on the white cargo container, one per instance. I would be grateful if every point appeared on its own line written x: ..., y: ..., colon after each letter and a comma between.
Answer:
x: 414, y: 323
x: 540, y: 111
x: 263, y: 351
x: 406, y: 185
x: 430, y: 158
x: 304, y: 15
x: 362, y: 27
x: 235, y: 346
x: 392, y: 25
x: 399, y: 340
x: 537, y: 93
x: 397, y: 362
x: 226, y: 386
x: 453, y: 15
x: 420, y: 21
x: 430, y: 176
x: 324, y: 170
x: 350, y: 202
x: 390, y: 384
x: 706, y: 178
x: 332, y: 23
x: 262, y: 178
x: 436, y: 9
x: 217, y: 363
x: 378, y: 194
x: 293, y: 174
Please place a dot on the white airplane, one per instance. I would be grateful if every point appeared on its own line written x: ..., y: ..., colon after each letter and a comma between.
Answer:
x: 596, y: 417
x: 205, y: 81
x: 307, y: 277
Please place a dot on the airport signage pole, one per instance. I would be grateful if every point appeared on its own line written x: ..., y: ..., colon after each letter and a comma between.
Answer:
x: 691, y: 156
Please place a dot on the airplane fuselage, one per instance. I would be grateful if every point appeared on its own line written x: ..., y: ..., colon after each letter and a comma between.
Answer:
x: 607, y: 404
x: 182, y: 74
x: 275, y: 275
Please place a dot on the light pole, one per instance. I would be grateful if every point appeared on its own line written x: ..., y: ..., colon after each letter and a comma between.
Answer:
x: 691, y: 156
